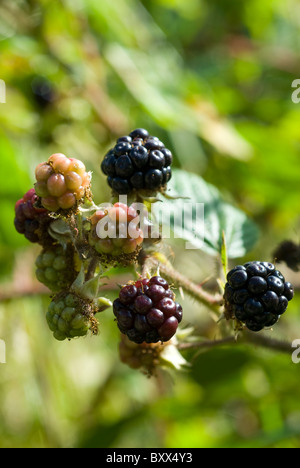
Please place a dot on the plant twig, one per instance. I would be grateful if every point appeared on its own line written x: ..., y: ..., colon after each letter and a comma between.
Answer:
x: 206, y: 344
x: 12, y: 292
x: 245, y: 338
x: 267, y: 342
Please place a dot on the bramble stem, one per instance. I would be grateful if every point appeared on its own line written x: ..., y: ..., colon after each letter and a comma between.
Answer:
x: 267, y: 342
x: 245, y: 338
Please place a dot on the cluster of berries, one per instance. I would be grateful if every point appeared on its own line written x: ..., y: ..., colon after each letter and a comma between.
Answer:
x: 147, y: 314
x: 115, y: 232
x: 62, y: 182
x: 256, y: 294
x: 30, y: 219
x: 146, y: 311
x: 138, y: 162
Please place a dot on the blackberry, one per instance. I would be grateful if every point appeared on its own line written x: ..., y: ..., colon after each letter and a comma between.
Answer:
x: 56, y: 267
x: 256, y: 294
x: 62, y: 183
x: 289, y: 253
x: 115, y: 233
x: 138, y: 162
x: 70, y: 316
x: 32, y: 220
x: 43, y: 92
x: 146, y: 311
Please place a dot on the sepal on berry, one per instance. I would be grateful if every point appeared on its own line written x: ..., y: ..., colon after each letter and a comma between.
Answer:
x: 103, y: 304
x: 60, y: 231
x: 86, y: 289
x: 149, y: 357
x: 171, y: 357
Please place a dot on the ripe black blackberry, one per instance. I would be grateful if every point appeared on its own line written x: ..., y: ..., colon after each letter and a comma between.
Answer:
x: 256, y: 294
x: 62, y: 183
x: 138, y: 162
x: 146, y: 311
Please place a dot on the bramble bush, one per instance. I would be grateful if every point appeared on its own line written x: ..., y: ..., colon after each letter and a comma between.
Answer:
x: 82, y: 240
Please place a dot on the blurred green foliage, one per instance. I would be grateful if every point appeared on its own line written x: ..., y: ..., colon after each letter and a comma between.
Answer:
x: 212, y: 79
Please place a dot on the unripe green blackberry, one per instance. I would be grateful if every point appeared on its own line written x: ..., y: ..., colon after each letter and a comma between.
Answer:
x: 56, y: 267
x: 71, y: 316
x: 146, y: 311
x: 62, y: 183
x: 115, y: 234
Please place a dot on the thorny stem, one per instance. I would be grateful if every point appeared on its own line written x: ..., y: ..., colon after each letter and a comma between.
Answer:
x: 247, y: 337
x: 267, y: 342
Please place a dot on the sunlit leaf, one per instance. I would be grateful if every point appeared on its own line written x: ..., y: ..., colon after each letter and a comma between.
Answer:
x: 219, y: 217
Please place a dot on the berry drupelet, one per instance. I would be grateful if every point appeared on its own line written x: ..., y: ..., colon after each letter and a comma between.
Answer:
x: 138, y: 162
x: 62, y: 183
x: 256, y: 294
x: 146, y: 311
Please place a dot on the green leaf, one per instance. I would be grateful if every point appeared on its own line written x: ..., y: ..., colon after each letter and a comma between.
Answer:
x: 218, y: 217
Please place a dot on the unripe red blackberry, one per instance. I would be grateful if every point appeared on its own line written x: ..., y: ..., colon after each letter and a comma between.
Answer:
x: 32, y: 220
x: 56, y: 267
x: 62, y: 183
x: 146, y: 311
x: 70, y: 316
x: 256, y: 294
x: 137, y: 162
x: 115, y: 233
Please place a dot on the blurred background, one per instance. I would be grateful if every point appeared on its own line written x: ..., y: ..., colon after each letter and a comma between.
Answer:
x: 212, y: 79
